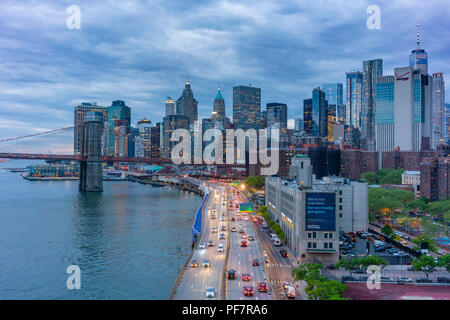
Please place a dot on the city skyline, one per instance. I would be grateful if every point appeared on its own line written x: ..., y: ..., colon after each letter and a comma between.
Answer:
x: 45, y: 80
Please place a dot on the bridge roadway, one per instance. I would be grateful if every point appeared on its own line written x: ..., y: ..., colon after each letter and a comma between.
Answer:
x: 194, y: 281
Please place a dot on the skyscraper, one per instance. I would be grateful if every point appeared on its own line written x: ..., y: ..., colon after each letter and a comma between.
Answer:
x: 354, y: 98
x: 372, y: 71
x: 246, y: 107
x: 404, y: 111
x: 79, y: 118
x: 307, y: 116
x: 119, y: 115
x: 334, y: 96
x: 438, y: 108
x: 276, y: 113
x: 419, y: 57
x: 187, y: 105
x: 218, y: 113
x: 170, y: 106
x: 319, y: 113
x: 143, y: 140
x: 171, y: 123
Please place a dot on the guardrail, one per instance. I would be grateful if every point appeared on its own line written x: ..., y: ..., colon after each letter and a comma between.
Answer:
x: 180, y: 274
x: 223, y: 291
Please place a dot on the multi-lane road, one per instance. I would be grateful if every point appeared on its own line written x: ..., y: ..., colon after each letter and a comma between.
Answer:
x: 222, y: 211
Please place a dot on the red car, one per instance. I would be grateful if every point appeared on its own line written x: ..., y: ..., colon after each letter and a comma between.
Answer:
x: 243, y: 243
x: 262, y: 287
x: 248, y: 291
x: 231, y: 274
x: 245, y: 277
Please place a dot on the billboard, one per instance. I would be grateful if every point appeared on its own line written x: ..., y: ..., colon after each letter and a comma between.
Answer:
x: 320, y: 211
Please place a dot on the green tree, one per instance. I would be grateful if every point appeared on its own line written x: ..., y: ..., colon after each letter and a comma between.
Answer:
x: 350, y: 265
x: 372, y: 260
x: 387, y: 230
x: 444, y: 261
x: 329, y: 290
x: 424, y: 238
x: 311, y: 273
x: 424, y: 263
x: 370, y: 177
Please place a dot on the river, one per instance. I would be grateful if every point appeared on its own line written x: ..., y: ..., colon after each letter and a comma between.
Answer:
x: 129, y: 241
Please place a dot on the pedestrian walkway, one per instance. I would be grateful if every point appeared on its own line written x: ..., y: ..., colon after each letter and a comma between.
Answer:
x: 276, y: 265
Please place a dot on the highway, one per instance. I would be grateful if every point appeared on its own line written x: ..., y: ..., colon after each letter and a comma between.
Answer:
x: 241, y: 257
x: 194, y: 281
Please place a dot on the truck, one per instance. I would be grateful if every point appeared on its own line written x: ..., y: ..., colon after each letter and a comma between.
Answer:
x: 290, y: 291
x: 273, y: 236
x: 277, y: 241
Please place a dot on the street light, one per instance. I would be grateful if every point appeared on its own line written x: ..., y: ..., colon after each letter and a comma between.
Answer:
x: 243, y: 186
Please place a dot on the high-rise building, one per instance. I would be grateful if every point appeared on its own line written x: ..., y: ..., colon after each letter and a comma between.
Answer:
x: 276, y: 113
x: 170, y: 106
x: 143, y: 141
x: 307, y: 116
x: 333, y: 93
x: 372, y: 71
x: 119, y: 115
x: 186, y: 105
x: 246, y: 107
x: 354, y: 98
x: 438, y: 109
x: 418, y: 59
x: 171, y: 123
x: 404, y: 115
x: 79, y: 119
x: 298, y: 124
x: 319, y: 113
x: 384, y: 116
x: 156, y: 141
x: 447, y: 122
x: 218, y: 113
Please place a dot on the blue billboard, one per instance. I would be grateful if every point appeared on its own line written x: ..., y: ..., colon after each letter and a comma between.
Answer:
x: 320, y: 211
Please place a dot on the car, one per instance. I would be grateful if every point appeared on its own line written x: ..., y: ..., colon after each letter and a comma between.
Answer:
x: 210, y: 292
x: 239, y: 218
x: 360, y: 271
x: 251, y: 238
x: 255, y: 262
x: 246, y: 277
x: 233, y: 229
x: 284, y: 253
x: 241, y: 225
x: 380, y: 248
x: 363, y: 278
x: 222, y: 236
x: 348, y: 279
x: 194, y: 264
x: 232, y: 219
x: 206, y: 263
x: 213, y: 216
x: 248, y: 291
x: 386, y: 279
x: 404, y: 280
x: 243, y: 236
x: 231, y: 274
x: 220, y: 247
x: 243, y: 243
x: 443, y: 280
x: 262, y: 287
x: 424, y: 280
x: 222, y: 218
x: 241, y: 231
x: 201, y: 246
x: 210, y: 243
x: 223, y: 228
x: 213, y: 230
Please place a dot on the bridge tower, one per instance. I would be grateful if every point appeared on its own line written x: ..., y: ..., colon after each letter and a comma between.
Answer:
x: 91, y: 171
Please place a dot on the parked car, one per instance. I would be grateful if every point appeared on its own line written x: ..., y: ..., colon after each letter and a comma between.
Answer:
x: 424, y: 280
x: 348, y: 279
x: 404, y: 280
x: 443, y: 280
x: 386, y: 279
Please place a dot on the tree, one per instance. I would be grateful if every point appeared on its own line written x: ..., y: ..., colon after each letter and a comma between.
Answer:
x: 387, y: 230
x: 350, y: 265
x: 372, y: 260
x: 329, y: 290
x: 424, y: 238
x: 370, y: 177
x: 311, y: 273
x: 444, y: 261
x: 424, y: 263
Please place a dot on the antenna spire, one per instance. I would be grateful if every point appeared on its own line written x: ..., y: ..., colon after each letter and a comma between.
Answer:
x: 418, y: 37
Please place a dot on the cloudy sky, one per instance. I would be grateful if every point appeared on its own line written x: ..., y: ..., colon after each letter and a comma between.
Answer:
x: 143, y: 51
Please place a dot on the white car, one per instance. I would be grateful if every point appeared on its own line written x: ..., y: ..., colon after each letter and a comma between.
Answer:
x: 201, y: 246
x: 220, y: 248
x: 213, y: 230
x: 210, y: 292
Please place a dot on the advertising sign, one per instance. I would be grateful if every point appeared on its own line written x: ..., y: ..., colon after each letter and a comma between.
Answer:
x: 320, y: 211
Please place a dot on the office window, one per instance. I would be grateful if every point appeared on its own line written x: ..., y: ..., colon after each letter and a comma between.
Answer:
x: 330, y: 245
x: 309, y: 235
x: 330, y: 236
x: 314, y: 235
x: 325, y: 245
x: 325, y: 235
x: 314, y: 245
x: 309, y: 245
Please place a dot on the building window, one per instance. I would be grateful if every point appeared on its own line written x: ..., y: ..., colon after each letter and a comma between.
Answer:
x: 309, y: 235
x: 330, y: 235
x: 325, y: 235
x: 309, y: 245
x: 325, y: 245
x: 314, y: 245
x: 340, y: 207
x: 330, y: 245
x: 314, y: 235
